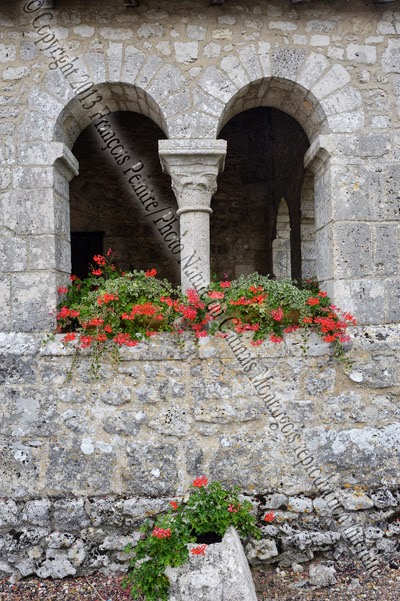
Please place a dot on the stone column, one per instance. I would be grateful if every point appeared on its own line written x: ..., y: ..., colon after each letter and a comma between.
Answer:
x: 38, y: 243
x: 194, y: 166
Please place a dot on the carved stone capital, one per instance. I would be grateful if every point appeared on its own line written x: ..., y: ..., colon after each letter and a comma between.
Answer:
x: 193, y: 166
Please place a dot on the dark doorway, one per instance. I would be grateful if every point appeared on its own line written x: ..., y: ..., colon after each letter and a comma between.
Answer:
x: 265, y: 163
x: 101, y: 200
x: 84, y: 245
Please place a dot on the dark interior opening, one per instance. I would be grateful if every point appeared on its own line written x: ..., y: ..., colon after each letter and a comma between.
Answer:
x: 264, y: 163
x: 101, y: 200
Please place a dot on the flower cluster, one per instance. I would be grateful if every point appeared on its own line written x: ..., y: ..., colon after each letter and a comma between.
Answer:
x: 270, y: 309
x: 199, y: 550
x: 125, y: 308
x: 162, y: 532
x: 208, y: 509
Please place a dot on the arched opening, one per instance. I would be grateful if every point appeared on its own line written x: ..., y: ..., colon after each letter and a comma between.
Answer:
x: 108, y: 211
x: 264, y: 164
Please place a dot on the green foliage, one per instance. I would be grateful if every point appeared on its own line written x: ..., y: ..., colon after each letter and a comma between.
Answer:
x: 124, y: 309
x: 208, y: 508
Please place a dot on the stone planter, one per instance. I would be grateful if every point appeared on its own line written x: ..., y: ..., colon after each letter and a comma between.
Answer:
x: 222, y: 574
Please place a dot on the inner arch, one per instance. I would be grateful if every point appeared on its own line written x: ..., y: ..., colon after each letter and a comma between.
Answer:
x: 115, y: 97
x: 283, y: 94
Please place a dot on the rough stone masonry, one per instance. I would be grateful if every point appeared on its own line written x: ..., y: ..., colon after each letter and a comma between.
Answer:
x: 84, y: 462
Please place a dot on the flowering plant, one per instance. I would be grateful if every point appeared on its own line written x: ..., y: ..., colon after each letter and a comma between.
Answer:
x: 208, y: 508
x: 271, y: 308
x: 123, y: 307
x: 126, y: 308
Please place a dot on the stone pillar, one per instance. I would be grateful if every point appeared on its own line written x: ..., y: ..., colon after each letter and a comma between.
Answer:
x: 194, y: 166
x: 37, y: 246
x: 281, y: 244
x: 356, y: 217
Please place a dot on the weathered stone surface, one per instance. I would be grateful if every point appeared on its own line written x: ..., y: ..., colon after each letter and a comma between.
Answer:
x: 222, y: 574
x: 259, y: 551
x: 37, y: 512
x: 322, y: 575
x: 355, y: 500
x: 151, y: 469
x: 56, y: 566
x: 168, y: 412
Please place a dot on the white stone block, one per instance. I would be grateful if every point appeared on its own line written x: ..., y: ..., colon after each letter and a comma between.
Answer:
x: 222, y: 574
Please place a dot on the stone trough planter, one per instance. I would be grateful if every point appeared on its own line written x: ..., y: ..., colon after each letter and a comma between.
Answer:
x: 222, y: 574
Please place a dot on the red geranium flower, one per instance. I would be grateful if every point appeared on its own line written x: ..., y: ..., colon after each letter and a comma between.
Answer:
x: 151, y: 273
x: 69, y: 337
x: 277, y: 314
x: 162, y: 532
x: 99, y: 259
x: 199, y: 550
x: 269, y: 517
x: 200, y: 481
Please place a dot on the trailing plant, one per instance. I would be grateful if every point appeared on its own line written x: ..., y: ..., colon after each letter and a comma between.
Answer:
x: 207, y: 509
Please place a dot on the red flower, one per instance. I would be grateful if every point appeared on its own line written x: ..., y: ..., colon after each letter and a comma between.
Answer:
x: 69, y: 337
x: 225, y: 284
x: 62, y: 290
x: 85, y: 341
x: 256, y: 342
x: 201, y: 334
x: 101, y: 337
x: 63, y: 313
x: 124, y: 339
x: 194, y: 299
x: 276, y: 339
x: 233, y: 509
x: 307, y: 320
x: 95, y: 322
x: 313, y: 301
x: 174, y: 504
x: 99, y: 259
x: 242, y: 301
x: 150, y: 273
x: 108, y: 328
x: 216, y: 294
x: 161, y: 532
x: 109, y: 252
x: 322, y: 294
x: 290, y: 329
x: 106, y: 298
x: 189, y: 312
x: 269, y: 517
x: 199, y: 550
x: 97, y: 272
x: 200, y: 482
x: 277, y: 314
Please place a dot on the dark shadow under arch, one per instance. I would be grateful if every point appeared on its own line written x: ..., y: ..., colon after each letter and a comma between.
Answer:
x: 265, y: 162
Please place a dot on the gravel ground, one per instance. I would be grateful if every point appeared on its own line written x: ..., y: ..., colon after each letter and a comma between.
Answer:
x: 353, y: 584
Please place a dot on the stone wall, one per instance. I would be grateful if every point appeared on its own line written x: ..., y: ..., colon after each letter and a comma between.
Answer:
x: 85, y: 460
x: 190, y: 68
